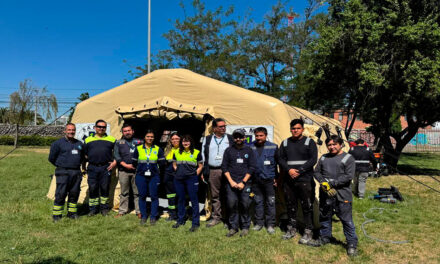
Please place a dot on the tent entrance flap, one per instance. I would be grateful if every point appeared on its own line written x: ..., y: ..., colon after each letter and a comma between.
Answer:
x: 165, y: 107
x: 163, y: 127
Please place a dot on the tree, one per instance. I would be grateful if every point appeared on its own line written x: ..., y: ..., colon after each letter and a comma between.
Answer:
x: 259, y: 56
x: 379, y: 60
x: 82, y: 97
x: 29, y: 98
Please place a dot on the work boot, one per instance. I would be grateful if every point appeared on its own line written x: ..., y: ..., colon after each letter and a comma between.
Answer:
x: 105, y: 212
x: 193, y: 228
x: 290, y: 233
x: 93, y: 212
x: 119, y: 215
x: 231, y: 232
x: 139, y: 215
x: 177, y: 225
x: 143, y: 221
x: 271, y: 230
x: 56, y: 218
x: 321, y: 241
x: 152, y: 222
x: 257, y: 228
x: 244, y: 232
x: 351, y: 251
x: 213, y: 222
x: 307, y: 237
x: 73, y: 216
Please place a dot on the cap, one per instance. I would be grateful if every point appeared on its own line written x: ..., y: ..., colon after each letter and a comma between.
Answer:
x: 239, y: 132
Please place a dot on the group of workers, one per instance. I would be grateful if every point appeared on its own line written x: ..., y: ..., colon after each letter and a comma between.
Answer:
x: 234, y: 171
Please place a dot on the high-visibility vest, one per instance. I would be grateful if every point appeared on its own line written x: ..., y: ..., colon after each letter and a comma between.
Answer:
x: 187, y: 157
x: 149, y: 155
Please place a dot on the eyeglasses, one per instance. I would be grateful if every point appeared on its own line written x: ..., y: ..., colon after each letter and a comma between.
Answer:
x: 102, y: 127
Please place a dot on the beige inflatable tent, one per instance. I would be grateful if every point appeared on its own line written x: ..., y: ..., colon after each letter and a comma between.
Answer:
x: 179, y: 94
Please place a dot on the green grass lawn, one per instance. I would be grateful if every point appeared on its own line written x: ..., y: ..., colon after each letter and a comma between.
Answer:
x: 28, y: 235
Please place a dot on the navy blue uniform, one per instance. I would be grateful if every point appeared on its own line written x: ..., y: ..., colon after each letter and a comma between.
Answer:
x: 67, y: 156
x: 266, y: 157
x: 238, y: 162
x: 99, y: 152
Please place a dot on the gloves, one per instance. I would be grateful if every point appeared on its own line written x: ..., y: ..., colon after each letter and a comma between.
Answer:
x: 325, y: 186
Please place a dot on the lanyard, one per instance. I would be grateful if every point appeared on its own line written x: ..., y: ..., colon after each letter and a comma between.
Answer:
x: 148, y: 155
x: 218, y: 143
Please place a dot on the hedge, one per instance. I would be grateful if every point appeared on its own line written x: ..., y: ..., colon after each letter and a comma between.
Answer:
x: 28, y: 140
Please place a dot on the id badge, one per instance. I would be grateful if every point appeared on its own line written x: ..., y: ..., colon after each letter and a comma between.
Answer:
x: 148, y: 173
x: 218, y: 157
x: 239, y: 160
x: 74, y: 151
x: 267, y: 162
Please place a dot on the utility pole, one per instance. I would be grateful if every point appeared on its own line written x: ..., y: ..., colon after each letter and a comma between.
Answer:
x: 149, y: 34
x: 36, y: 109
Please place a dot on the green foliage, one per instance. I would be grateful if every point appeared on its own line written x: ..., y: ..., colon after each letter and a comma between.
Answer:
x: 34, y: 140
x: 82, y: 97
x: 29, y: 98
x: 380, y: 59
x: 259, y: 56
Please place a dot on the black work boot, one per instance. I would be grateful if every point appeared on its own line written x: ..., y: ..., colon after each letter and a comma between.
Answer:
x: 72, y: 215
x: 231, y: 232
x: 351, y: 251
x: 307, y: 237
x: 290, y: 233
x: 56, y: 218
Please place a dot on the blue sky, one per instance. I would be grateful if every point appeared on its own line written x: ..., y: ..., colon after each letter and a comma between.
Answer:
x: 79, y: 46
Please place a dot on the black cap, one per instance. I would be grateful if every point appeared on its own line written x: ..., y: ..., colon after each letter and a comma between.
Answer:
x: 239, y: 132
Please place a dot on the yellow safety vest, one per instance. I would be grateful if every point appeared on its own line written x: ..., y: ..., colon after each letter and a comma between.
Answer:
x: 187, y: 157
x: 149, y: 155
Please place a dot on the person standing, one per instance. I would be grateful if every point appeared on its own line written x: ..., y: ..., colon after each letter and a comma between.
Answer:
x: 147, y: 158
x: 123, y: 152
x: 170, y: 149
x: 334, y: 172
x: 213, y: 148
x: 99, y: 153
x: 298, y: 155
x: 363, y: 156
x: 188, y: 164
x: 67, y: 154
x: 238, y: 165
x: 266, y: 156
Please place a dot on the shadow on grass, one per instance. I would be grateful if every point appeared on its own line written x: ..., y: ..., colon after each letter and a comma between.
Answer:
x: 417, y: 170
x: 54, y: 260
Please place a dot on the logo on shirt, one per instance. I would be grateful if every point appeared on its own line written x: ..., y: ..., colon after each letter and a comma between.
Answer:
x: 155, y: 152
x: 246, y: 156
x: 79, y: 147
x: 191, y: 156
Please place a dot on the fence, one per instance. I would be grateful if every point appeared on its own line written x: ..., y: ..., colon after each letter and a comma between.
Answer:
x: 426, y: 140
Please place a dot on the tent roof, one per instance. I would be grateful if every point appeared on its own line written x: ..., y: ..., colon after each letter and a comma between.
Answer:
x: 185, y: 91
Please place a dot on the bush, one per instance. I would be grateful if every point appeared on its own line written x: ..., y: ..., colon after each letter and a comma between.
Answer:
x: 28, y: 140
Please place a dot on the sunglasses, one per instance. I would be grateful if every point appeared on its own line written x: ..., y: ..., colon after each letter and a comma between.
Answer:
x: 101, y: 127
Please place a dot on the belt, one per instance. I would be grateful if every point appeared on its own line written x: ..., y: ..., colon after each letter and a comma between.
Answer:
x: 215, y: 168
x: 99, y: 164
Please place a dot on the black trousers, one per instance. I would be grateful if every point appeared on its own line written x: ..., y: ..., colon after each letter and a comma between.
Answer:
x: 238, y: 206
x: 264, y: 195
x: 171, y: 193
x: 304, y: 193
x: 99, y: 186
x: 68, y: 182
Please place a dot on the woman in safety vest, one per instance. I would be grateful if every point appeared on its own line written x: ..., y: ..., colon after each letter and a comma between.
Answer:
x: 188, y: 165
x: 172, y: 146
x: 148, y: 157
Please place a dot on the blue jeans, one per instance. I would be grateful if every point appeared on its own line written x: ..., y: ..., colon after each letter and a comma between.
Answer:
x: 330, y: 206
x: 148, y: 185
x: 264, y: 194
x: 190, y: 186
